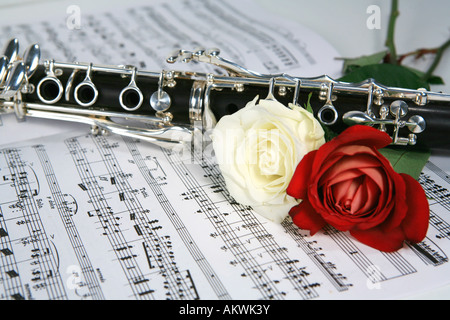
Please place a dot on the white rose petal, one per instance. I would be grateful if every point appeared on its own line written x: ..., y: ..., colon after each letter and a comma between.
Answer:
x: 258, y: 149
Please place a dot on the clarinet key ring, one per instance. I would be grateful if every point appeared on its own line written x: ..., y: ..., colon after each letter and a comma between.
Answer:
x: 86, y: 93
x: 131, y: 97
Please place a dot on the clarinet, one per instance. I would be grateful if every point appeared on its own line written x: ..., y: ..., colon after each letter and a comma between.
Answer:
x: 175, y: 108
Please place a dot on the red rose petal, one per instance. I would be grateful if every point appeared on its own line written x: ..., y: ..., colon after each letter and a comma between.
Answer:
x: 352, y: 150
x: 350, y: 185
x: 305, y: 217
x: 380, y: 240
x: 354, y: 135
x: 298, y: 185
x: 340, y: 190
x: 345, y: 204
x: 377, y: 175
x: 372, y: 196
x: 415, y: 224
x: 344, y: 176
x: 376, y: 218
x: 400, y: 208
x: 359, y: 198
x: 338, y: 171
x: 364, y: 135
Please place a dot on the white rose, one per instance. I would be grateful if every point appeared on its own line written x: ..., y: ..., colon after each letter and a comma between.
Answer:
x: 258, y: 148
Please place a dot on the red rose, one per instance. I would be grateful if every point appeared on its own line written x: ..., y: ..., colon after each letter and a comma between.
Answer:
x: 348, y: 184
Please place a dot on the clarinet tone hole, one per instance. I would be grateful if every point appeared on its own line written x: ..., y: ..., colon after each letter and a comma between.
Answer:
x: 327, y: 115
x: 49, y: 90
x: 130, y: 99
x: 85, y: 94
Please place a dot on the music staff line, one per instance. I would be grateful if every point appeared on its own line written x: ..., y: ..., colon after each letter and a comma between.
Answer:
x: 45, y: 266
x: 237, y: 245
x: 296, y: 276
x: 400, y: 266
x: 25, y: 181
x: 328, y: 268
x: 199, y: 258
x: 12, y: 284
x: 91, y: 281
x: 438, y: 197
x: 178, y: 285
x: 436, y: 193
x: 121, y: 248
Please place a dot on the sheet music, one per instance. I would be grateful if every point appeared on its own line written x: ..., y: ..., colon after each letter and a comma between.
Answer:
x: 107, y: 217
x: 144, y: 35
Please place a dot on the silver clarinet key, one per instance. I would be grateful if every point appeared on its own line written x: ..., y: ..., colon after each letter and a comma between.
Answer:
x: 11, y: 50
x: 14, y: 80
x: 3, y: 68
x: 31, y: 58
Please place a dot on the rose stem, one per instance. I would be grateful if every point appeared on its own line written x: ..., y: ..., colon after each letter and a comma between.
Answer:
x: 390, y: 34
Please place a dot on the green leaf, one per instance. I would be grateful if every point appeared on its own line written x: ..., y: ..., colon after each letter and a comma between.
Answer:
x: 329, y: 134
x: 351, y: 63
x: 406, y: 160
x: 308, y: 104
x: 387, y: 74
x: 431, y: 80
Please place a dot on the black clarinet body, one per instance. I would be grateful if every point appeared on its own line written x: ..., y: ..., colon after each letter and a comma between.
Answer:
x: 436, y: 114
x: 171, y: 108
